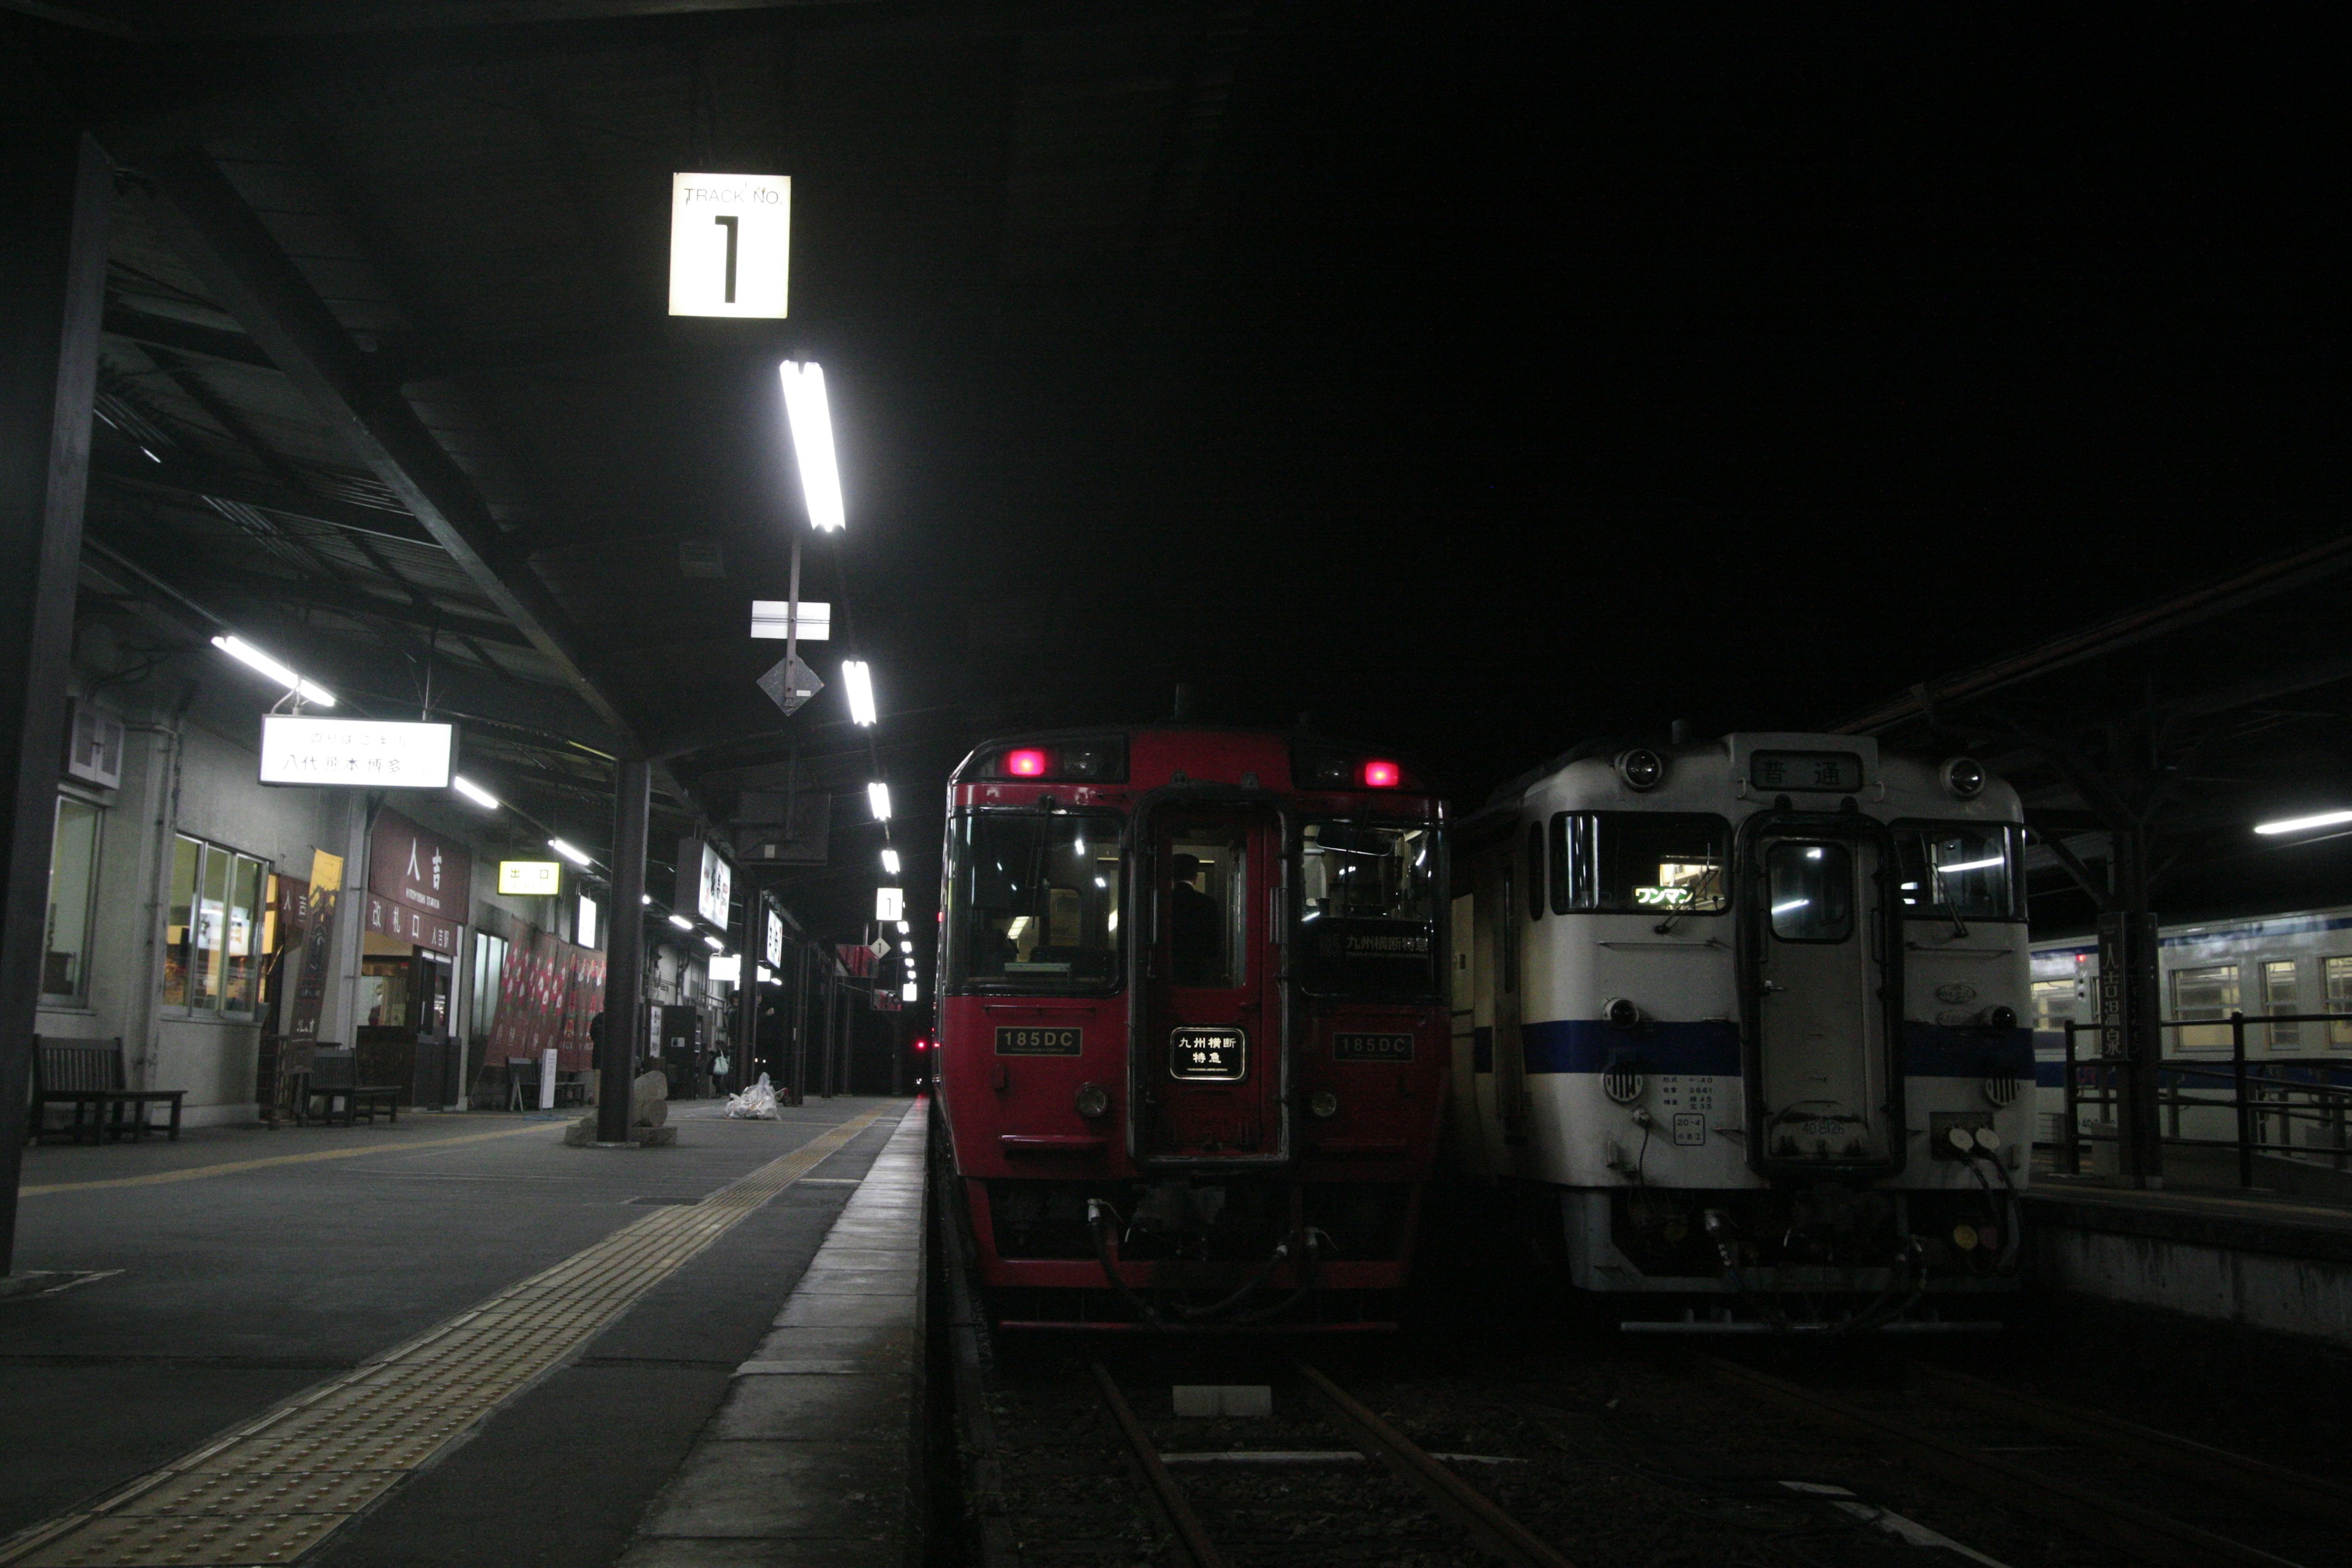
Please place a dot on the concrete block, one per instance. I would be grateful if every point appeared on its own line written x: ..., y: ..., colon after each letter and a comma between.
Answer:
x: 1214, y: 1399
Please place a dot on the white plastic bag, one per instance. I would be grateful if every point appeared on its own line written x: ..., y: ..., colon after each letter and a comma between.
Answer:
x: 757, y: 1103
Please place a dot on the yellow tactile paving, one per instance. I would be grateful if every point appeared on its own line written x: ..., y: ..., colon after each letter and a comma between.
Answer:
x: 273, y: 1489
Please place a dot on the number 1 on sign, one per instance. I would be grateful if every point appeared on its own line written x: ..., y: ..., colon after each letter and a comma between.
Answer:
x: 728, y: 222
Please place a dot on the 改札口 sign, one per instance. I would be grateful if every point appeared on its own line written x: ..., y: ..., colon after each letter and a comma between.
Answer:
x: 296, y: 749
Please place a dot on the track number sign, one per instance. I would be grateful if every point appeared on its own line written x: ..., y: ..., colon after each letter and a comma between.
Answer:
x: 730, y: 243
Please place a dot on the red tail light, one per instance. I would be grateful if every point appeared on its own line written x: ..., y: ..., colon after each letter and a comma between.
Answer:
x: 1379, y: 774
x: 1025, y: 764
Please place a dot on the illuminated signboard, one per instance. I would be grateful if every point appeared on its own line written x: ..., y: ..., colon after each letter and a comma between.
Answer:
x: 727, y: 968
x: 730, y: 243
x: 775, y: 940
x: 889, y: 904
x: 372, y: 753
x: 706, y: 882
x: 534, y: 879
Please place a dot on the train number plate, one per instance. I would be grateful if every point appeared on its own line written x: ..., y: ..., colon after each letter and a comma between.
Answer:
x: 1197, y: 1052
x: 1371, y: 1047
x: 1013, y: 1041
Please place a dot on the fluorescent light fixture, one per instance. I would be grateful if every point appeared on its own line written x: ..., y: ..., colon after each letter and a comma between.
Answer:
x: 473, y: 792
x: 904, y: 928
x: 858, y: 680
x: 812, y: 422
x: 766, y: 975
x: 2299, y: 824
x: 577, y: 857
x: 1791, y: 904
x: 716, y: 945
x: 245, y: 653
x: 1013, y: 931
x: 877, y: 796
x: 681, y: 923
x: 890, y: 861
x: 1970, y: 866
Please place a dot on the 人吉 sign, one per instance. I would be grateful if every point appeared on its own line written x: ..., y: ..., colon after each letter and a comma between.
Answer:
x: 730, y: 243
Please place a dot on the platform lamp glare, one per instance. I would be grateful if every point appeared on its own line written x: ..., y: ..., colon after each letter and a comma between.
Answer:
x: 890, y: 861
x: 877, y: 796
x: 811, y: 423
x: 2304, y: 823
x: 858, y: 680
x: 252, y: 658
x: 473, y: 792
x: 577, y: 856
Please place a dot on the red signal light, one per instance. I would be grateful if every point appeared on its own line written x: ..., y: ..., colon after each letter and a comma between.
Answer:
x: 1381, y: 775
x: 1025, y: 764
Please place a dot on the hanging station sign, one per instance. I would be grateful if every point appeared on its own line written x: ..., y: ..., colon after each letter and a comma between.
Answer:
x: 706, y: 882
x: 774, y: 620
x: 419, y: 868
x: 296, y: 749
x: 773, y: 940
x: 730, y: 243
x: 531, y: 879
x: 889, y: 905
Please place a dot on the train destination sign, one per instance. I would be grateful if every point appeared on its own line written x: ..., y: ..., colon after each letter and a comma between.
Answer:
x: 1837, y: 771
x: 1015, y: 1041
x: 730, y: 243
x: 372, y: 752
x: 1197, y: 1052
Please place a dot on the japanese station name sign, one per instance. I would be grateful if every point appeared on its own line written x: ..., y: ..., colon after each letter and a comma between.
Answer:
x: 775, y: 940
x: 531, y: 879
x: 371, y: 753
x: 730, y: 243
x: 706, y: 882
x: 419, y: 883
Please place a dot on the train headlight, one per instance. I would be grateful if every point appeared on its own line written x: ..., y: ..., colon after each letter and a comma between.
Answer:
x: 2001, y: 1018
x: 1323, y: 1103
x: 1094, y: 1101
x: 1965, y: 777
x: 1640, y: 768
x: 1622, y: 1013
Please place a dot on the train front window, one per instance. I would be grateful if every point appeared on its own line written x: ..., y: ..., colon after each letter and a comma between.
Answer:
x: 1638, y: 862
x: 1367, y: 909
x: 1967, y: 869
x: 1812, y: 890
x: 1033, y: 907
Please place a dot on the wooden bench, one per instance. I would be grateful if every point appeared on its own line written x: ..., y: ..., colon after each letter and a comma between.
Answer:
x: 334, y: 1078
x: 87, y: 1077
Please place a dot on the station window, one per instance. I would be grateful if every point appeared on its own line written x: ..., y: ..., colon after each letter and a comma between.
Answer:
x: 2280, y: 994
x: 73, y: 887
x: 212, y: 943
x: 2206, y: 992
x: 1638, y: 862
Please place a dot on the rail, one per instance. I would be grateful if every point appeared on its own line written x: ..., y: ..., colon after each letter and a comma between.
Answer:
x: 2253, y: 1090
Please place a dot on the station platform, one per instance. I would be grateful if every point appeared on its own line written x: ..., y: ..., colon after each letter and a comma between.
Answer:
x: 454, y: 1341
x: 2267, y: 1260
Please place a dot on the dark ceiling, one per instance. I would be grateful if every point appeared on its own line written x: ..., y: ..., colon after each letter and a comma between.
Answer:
x: 1476, y: 380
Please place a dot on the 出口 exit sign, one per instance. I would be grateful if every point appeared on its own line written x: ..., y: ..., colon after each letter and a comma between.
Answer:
x: 730, y: 243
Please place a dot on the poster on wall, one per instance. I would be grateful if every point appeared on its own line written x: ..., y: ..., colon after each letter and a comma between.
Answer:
x: 315, y: 959
x: 551, y: 992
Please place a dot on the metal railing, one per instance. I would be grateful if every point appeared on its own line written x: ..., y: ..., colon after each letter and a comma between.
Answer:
x: 2251, y: 1090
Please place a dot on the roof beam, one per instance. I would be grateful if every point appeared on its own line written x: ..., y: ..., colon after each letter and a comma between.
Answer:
x: 149, y: 330
x: 204, y: 218
x: 179, y: 478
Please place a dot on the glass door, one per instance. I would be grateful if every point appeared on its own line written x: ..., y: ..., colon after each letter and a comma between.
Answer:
x: 1208, y: 1057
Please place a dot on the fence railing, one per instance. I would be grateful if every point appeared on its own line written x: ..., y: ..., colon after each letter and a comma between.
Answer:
x: 2252, y: 1091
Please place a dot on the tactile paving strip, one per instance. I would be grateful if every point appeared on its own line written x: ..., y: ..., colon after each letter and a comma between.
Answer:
x: 275, y: 1488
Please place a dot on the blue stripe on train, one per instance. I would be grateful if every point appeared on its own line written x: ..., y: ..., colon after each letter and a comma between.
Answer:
x: 1711, y: 1048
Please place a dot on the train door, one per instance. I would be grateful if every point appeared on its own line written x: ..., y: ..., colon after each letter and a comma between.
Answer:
x: 1209, y: 1050
x: 1825, y: 1007
x: 1510, y: 1050
x: 1463, y: 1113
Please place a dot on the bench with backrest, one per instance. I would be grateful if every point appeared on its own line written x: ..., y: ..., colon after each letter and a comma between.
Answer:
x: 87, y: 1076
x: 334, y: 1080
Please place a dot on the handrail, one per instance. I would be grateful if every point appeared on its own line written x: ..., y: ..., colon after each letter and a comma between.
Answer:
x: 2248, y: 1079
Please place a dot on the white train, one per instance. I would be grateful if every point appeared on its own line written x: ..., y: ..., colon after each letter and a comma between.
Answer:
x: 1753, y: 1011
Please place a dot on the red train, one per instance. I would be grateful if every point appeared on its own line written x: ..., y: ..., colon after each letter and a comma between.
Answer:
x: 1192, y: 1035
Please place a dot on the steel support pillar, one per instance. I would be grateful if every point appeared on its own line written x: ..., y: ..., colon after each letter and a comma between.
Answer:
x: 624, y: 952
x: 57, y: 192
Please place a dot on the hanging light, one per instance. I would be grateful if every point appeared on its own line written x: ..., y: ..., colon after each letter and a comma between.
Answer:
x: 2298, y: 824
x: 473, y: 792
x: 252, y: 658
x: 858, y: 680
x: 889, y: 860
x: 878, y: 796
x: 577, y: 856
x: 811, y: 423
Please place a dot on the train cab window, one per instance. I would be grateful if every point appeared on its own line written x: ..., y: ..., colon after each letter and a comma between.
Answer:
x: 1208, y: 909
x: 1367, y: 909
x: 1968, y: 870
x: 1638, y: 862
x: 1810, y: 888
x: 1033, y: 904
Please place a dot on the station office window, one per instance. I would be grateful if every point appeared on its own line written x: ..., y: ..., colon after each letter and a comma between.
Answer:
x: 212, y: 938
x: 73, y: 887
x: 2206, y: 992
